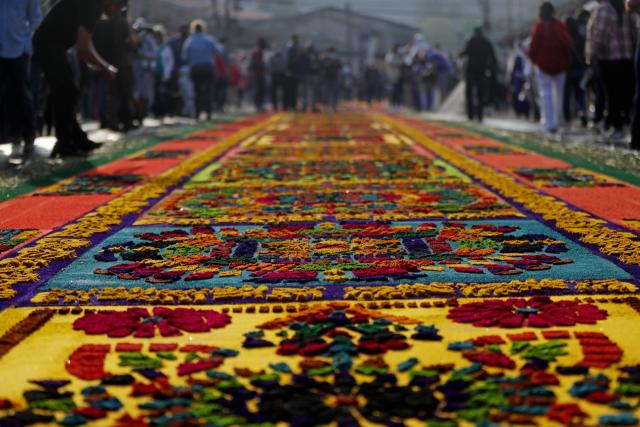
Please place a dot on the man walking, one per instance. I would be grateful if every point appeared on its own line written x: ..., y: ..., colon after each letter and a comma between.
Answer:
x: 278, y: 71
x: 18, y: 21
x: 258, y: 71
x: 71, y: 23
x: 481, y: 62
x: 200, y: 51
x: 295, y: 73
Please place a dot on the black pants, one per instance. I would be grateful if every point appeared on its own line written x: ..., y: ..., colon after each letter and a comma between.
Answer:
x: 476, y: 96
x: 202, y: 76
x: 618, y: 78
x: 222, y: 87
x: 63, y: 95
x: 635, y: 124
x: 574, y: 96
x: 291, y: 93
x: 397, y: 93
x: 277, y: 90
x: 15, y: 85
x: 331, y: 93
x: 119, y: 95
x: 259, y: 91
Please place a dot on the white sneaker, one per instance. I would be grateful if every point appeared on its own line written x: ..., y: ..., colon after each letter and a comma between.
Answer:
x: 617, y: 136
x: 16, y: 150
x: 599, y: 128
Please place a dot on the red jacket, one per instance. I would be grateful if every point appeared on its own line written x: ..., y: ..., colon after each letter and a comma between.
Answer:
x: 550, y: 46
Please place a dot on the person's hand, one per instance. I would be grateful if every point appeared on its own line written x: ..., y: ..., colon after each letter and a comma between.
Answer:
x: 110, y: 72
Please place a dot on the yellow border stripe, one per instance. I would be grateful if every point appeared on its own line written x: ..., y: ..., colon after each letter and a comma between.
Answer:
x: 62, y: 245
x: 623, y: 245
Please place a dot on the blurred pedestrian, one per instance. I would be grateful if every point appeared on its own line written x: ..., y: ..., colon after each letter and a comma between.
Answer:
x: 146, y: 53
x: 311, y: 78
x: 278, y: 73
x: 258, y: 72
x: 200, y: 51
x: 611, y: 40
x: 223, y: 64
x: 520, y: 74
x: 422, y: 72
x: 164, y: 66
x: 549, y: 50
x: 70, y: 23
x: 18, y: 21
x: 183, y: 101
x: 481, y: 64
x: 238, y: 77
x: 394, y: 64
x: 295, y: 73
x: 574, y: 94
x: 330, y: 72
x: 112, y: 40
x: 443, y: 68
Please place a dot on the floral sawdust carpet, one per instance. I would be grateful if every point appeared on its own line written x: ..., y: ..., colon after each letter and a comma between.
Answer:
x: 353, y: 269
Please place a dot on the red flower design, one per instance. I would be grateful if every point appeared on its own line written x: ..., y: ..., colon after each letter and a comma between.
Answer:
x: 138, y: 321
x: 536, y: 312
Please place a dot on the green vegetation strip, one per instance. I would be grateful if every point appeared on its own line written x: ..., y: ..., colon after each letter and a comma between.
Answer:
x: 573, y: 159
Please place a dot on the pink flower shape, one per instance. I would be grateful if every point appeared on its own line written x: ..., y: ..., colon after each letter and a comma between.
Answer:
x: 536, y: 312
x: 138, y: 321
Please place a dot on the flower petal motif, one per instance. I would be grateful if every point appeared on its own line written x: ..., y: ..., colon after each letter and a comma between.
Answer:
x: 141, y: 324
x: 536, y: 312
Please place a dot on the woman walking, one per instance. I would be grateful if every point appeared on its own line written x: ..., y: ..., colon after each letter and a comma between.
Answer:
x: 550, y: 52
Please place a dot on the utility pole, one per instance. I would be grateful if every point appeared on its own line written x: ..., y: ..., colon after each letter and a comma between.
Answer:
x: 510, y: 16
x: 227, y: 16
x: 349, y: 35
x: 485, y: 7
x: 215, y: 14
x: 146, y: 10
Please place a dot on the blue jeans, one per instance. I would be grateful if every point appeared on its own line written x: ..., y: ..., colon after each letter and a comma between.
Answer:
x: 551, y: 89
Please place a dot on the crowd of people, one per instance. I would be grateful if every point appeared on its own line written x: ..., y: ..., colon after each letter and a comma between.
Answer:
x: 85, y: 59
x: 419, y: 75
x: 581, y: 68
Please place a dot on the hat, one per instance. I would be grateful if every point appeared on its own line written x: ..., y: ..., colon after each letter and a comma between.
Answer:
x: 140, y: 24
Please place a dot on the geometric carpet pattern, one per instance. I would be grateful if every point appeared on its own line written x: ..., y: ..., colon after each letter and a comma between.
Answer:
x: 352, y: 269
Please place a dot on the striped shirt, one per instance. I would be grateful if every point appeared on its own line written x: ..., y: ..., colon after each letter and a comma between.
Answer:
x: 608, y: 39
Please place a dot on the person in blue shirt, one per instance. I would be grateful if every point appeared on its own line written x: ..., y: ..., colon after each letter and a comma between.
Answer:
x: 199, y: 52
x: 18, y: 21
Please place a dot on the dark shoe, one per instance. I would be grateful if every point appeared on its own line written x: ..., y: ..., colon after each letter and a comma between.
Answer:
x: 88, y: 145
x: 28, y: 153
x: 584, y: 121
x: 15, y: 150
x: 67, y: 151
